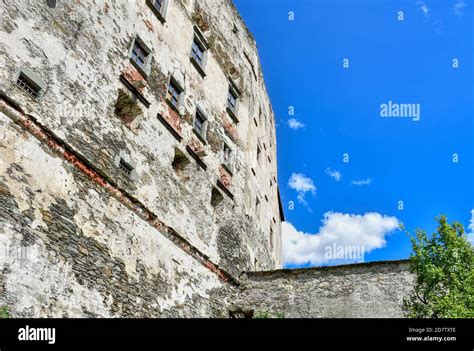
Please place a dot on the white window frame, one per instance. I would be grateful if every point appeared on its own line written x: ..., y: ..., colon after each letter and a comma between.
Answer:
x: 228, y: 162
x: 200, y: 41
x: 146, y: 67
x: 203, y: 133
x: 180, y: 103
x: 160, y: 14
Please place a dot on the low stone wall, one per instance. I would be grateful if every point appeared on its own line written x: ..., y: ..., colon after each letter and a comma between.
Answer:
x: 371, y: 290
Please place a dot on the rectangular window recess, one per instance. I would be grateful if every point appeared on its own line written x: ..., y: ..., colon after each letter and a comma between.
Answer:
x: 158, y: 8
x: 139, y: 54
x: 233, y: 88
x: 227, y: 167
x: 200, y: 137
x: 174, y: 95
x: 125, y: 168
x: 198, y: 67
x: 200, y: 38
x: 224, y: 189
x: 134, y: 91
x: 232, y: 115
x: 28, y: 86
x: 196, y: 157
x: 169, y: 127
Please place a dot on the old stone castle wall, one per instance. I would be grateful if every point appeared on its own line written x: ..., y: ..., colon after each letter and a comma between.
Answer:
x: 113, y: 200
x: 138, y: 169
x: 368, y: 290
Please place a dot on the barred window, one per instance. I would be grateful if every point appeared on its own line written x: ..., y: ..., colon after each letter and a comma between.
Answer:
x: 28, y: 86
x: 125, y: 168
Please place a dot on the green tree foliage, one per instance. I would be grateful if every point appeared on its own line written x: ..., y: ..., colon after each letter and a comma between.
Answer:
x: 4, y: 312
x: 444, y: 269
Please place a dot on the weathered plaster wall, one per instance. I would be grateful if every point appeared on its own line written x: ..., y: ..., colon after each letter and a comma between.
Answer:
x: 80, y: 238
x: 80, y: 49
x: 368, y: 290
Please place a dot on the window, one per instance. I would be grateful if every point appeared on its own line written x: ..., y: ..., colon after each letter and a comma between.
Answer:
x: 174, y: 93
x: 126, y: 165
x: 140, y: 57
x: 271, y: 237
x: 51, y: 3
x: 233, y: 100
x: 157, y: 4
x: 216, y: 197
x: 125, y: 168
x: 28, y: 86
x: 257, y: 207
x: 259, y: 153
x: 159, y: 8
x: 198, y: 54
x: 180, y: 161
x: 139, y: 54
x: 197, y: 51
x: 200, y: 124
x: 227, y: 157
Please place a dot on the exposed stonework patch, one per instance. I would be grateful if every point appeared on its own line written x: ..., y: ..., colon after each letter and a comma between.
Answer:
x: 370, y: 290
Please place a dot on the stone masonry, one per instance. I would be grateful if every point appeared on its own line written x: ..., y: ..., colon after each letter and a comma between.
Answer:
x: 366, y: 290
x: 138, y: 173
x: 130, y: 179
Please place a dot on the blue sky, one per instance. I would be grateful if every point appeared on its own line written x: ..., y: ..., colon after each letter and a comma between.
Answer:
x: 337, y: 111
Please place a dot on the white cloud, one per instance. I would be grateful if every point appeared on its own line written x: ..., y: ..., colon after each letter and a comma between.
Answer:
x: 424, y: 8
x: 470, y: 233
x: 293, y: 123
x: 334, y: 174
x: 458, y: 7
x: 362, y: 182
x: 343, y: 230
x: 301, y: 184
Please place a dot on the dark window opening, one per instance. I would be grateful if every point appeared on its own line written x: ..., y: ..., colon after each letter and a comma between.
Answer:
x: 232, y: 100
x: 180, y: 161
x: 227, y: 155
x: 173, y: 93
x: 139, y: 54
x: 126, y: 107
x: 125, y: 168
x: 197, y: 51
x: 271, y: 237
x: 28, y: 86
x: 157, y: 4
x: 216, y: 197
x: 199, y: 123
x: 259, y: 153
x: 51, y: 3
